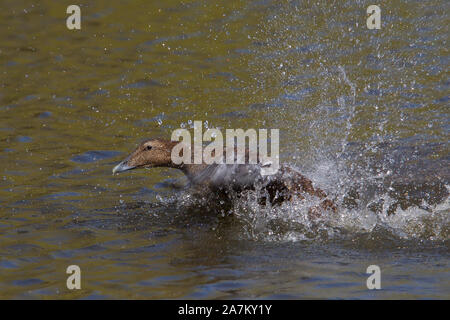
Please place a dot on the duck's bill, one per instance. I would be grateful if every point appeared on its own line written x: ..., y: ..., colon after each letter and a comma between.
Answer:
x: 121, y: 167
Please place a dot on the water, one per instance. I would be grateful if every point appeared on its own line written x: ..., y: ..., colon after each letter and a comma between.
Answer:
x: 363, y: 113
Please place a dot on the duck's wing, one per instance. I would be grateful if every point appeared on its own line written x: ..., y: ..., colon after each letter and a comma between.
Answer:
x: 227, y: 175
x: 202, y: 176
x: 240, y: 174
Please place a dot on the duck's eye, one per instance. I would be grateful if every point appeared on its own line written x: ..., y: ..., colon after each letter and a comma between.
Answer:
x: 148, y: 148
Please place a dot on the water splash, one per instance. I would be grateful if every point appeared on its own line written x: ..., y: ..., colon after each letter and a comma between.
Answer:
x: 351, y: 113
x: 291, y: 221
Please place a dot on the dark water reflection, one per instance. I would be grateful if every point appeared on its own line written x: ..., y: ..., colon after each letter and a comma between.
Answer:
x: 364, y: 113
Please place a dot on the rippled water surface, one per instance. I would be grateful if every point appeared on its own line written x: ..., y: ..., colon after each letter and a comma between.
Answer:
x: 363, y: 113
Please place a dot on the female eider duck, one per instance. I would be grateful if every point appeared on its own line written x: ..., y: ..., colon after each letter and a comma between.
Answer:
x: 284, y: 185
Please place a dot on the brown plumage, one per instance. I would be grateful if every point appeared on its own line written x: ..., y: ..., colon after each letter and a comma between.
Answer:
x: 284, y: 185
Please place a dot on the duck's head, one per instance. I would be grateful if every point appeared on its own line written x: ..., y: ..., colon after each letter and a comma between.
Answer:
x: 150, y: 153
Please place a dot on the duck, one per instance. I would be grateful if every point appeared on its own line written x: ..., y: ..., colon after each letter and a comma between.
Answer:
x: 285, y: 185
